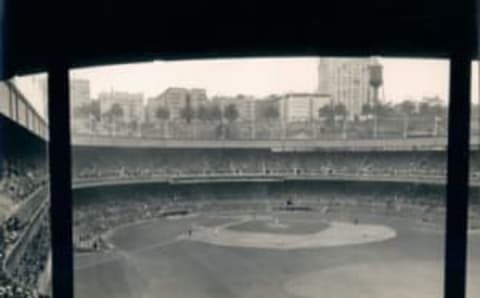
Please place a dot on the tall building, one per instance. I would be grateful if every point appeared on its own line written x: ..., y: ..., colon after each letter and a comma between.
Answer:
x: 131, y: 104
x: 175, y: 100
x: 347, y: 81
x: 79, y: 93
x: 302, y: 106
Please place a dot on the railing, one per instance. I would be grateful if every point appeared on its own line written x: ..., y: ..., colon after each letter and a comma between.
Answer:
x: 423, y: 143
x: 379, y: 176
x: 15, y: 252
x: 25, y: 209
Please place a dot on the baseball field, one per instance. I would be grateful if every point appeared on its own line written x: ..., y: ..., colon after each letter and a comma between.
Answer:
x: 272, y: 254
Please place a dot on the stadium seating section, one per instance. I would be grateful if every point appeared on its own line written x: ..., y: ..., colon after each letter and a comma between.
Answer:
x: 111, y: 163
x: 24, y: 230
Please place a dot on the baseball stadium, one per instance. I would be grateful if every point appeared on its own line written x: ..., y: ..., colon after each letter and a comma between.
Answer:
x: 25, y: 246
x: 216, y: 209
x: 236, y: 149
x: 363, y: 221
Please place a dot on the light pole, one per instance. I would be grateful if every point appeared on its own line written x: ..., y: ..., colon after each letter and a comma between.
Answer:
x: 405, y: 126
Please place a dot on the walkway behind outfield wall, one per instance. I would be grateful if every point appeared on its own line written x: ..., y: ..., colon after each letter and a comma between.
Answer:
x: 420, y: 143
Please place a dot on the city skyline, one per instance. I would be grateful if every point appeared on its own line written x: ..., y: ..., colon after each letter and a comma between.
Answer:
x: 260, y: 77
x: 390, y: 67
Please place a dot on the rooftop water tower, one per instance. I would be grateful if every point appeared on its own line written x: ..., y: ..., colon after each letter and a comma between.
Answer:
x: 375, y: 72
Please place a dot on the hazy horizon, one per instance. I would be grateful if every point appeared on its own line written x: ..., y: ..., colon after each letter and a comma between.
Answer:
x: 260, y: 77
x: 404, y: 78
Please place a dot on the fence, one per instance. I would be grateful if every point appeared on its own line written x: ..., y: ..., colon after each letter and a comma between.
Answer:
x: 372, y: 128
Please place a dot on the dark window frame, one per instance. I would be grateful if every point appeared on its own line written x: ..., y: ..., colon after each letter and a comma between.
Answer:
x: 457, y: 178
x: 457, y: 175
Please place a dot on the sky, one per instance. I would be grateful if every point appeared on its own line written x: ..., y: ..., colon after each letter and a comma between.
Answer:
x: 404, y: 78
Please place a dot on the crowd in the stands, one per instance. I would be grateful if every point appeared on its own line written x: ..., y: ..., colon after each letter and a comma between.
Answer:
x: 11, y: 289
x: 23, y: 180
x: 91, y: 220
x: 22, y: 282
x: 20, y: 178
x: 11, y: 229
x: 33, y: 261
x: 90, y: 163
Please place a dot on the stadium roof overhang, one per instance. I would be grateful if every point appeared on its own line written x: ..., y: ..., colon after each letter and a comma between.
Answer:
x: 91, y: 32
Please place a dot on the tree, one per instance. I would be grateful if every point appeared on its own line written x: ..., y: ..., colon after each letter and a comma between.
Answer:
x: 114, y: 114
x: 91, y: 109
x: 340, y: 110
x: 162, y: 113
x: 107, y: 115
x: 438, y: 110
x: 187, y: 113
x: 116, y: 111
x: 327, y: 112
x: 203, y: 113
x: 215, y: 113
x: 80, y: 112
x: 231, y: 113
x: 94, y: 109
x: 382, y: 109
x: 134, y: 125
x: 367, y: 109
x: 271, y: 113
x: 432, y: 106
x: 406, y: 107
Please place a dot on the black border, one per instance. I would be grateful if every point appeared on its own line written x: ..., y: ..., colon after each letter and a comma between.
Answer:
x: 247, y: 39
x: 457, y: 178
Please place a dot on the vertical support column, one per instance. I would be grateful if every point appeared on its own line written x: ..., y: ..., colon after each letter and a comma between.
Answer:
x: 477, y: 136
x: 457, y: 176
x: 435, y: 126
x: 405, y: 126
x: 194, y: 124
x: 254, y: 119
x: 60, y: 180
x: 16, y: 101
x: 314, y: 129
x: 165, y: 129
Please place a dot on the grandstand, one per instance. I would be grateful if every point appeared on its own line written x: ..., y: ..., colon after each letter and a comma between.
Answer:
x: 24, y: 206
x: 274, y: 186
x: 118, y: 165
x: 133, y: 203
x: 118, y: 183
x: 206, y: 196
